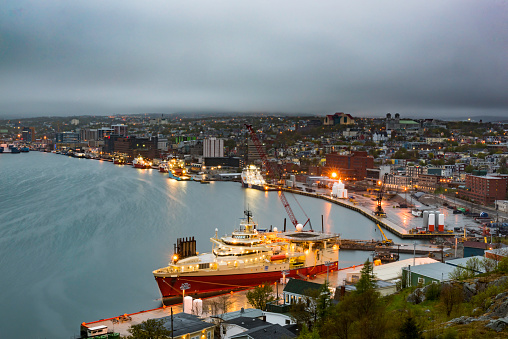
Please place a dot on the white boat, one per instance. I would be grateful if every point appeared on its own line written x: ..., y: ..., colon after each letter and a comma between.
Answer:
x: 252, y: 178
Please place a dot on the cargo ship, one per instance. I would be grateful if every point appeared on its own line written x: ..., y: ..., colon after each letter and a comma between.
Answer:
x: 252, y: 178
x: 139, y: 162
x: 246, y: 258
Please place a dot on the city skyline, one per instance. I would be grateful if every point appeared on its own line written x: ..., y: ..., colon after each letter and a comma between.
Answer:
x: 423, y: 59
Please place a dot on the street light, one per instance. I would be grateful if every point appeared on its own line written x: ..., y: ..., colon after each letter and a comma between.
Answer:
x: 414, y: 252
x: 327, y: 264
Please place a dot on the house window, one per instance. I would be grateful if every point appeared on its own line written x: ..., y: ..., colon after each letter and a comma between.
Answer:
x: 209, y: 335
x: 421, y: 280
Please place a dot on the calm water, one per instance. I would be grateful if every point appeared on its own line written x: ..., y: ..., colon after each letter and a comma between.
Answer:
x: 79, y: 238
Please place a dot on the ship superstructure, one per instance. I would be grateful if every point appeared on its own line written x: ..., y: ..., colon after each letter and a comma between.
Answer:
x: 247, y: 258
x: 252, y: 178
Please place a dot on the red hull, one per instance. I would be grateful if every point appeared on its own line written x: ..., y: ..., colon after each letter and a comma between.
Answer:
x: 170, y: 287
x: 141, y: 166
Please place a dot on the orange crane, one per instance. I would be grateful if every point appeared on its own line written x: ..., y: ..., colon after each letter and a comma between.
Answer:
x: 274, y: 169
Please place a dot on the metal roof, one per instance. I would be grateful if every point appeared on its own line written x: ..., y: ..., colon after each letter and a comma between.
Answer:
x: 247, y: 322
x: 248, y: 313
x: 437, y: 271
x: 184, y: 323
x: 274, y: 331
x: 297, y: 286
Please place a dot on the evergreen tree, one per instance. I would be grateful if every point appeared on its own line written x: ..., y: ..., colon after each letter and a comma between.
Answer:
x: 410, y: 329
x: 367, y: 279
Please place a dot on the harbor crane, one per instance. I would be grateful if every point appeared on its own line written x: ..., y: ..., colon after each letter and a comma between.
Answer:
x: 379, y: 212
x: 275, y: 170
x: 386, y: 241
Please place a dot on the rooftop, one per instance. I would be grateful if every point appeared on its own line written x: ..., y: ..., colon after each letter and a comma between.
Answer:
x: 437, y: 271
x: 269, y: 331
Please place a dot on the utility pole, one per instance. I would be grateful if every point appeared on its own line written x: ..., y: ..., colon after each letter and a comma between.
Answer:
x: 414, y: 252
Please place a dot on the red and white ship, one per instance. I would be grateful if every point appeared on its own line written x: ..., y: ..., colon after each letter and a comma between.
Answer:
x: 139, y: 162
x: 247, y: 258
x: 164, y: 167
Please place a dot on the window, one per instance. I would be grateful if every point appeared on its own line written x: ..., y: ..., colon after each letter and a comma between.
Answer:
x: 421, y: 280
x: 209, y: 335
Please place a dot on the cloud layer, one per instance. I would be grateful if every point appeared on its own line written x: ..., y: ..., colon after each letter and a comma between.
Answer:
x: 365, y: 57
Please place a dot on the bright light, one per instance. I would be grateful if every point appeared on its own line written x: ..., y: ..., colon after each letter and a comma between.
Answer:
x: 334, y: 175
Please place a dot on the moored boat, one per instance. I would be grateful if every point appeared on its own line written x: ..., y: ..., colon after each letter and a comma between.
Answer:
x: 252, y: 178
x: 139, y: 162
x: 164, y: 167
x: 246, y: 258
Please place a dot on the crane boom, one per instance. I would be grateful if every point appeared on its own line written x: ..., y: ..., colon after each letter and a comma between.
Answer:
x: 274, y: 170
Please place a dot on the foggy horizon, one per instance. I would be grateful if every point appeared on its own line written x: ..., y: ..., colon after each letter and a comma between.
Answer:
x: 420, y: 59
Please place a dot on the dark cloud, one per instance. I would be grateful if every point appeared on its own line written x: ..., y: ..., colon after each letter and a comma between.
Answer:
x: 368, y: 57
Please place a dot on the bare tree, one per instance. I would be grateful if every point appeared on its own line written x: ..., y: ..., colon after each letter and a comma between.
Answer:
x: 451, y: 295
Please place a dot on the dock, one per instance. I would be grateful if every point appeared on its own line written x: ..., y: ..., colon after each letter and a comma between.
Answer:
x: 364, y: 208
x: 373, y: 245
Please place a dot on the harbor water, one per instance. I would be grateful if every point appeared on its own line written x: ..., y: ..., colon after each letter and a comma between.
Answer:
x: 79, y: 238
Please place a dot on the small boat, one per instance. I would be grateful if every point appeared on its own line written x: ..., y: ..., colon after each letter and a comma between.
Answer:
x: 385, y: 256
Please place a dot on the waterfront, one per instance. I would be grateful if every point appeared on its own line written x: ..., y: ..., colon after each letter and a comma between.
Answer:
x: 79, y: 238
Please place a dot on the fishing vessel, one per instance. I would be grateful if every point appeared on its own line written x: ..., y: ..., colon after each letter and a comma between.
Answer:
x: 164, y: 167
x: 247, y: 257
x: 139, y: 162
x: 119, y: 160
x: 252, y: 178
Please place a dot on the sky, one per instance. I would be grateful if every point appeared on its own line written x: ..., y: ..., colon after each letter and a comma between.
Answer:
x: 432, y: 58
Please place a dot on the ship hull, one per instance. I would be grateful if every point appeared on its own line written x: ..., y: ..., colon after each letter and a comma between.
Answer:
x: 141, y: 166
x: 200, y: 285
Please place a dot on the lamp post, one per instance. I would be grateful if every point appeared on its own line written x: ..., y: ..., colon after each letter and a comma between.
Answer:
x: 327, y: 264
x: 414, y: 252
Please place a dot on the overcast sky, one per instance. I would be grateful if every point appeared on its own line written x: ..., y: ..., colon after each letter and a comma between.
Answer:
x: 419, y: 58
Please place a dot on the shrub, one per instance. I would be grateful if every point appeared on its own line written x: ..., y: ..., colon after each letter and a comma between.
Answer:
x: 433, y: 292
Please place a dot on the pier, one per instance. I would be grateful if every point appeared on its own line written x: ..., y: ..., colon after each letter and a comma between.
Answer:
x: 387, y: 224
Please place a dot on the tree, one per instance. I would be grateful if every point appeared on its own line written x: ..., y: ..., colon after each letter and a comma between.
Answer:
x: 260, y: 296
x: 468, y: 169
x: 340, y: 320
x: 300, y: 314
x: 410, y: 329
x: 323, y: 302
x: 149, y: 329
x: 367, y: 279
x: 451, y: 295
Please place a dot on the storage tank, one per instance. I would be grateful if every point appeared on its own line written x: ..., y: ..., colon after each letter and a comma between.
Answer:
x: 197, y: 307
x: 187, y: 304
x: 440, y: 225
x: 425, y: 218
x: 431, y: 222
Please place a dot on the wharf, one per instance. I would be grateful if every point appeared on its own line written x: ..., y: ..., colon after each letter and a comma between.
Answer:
x: 365, y: 208
x: 373, y: 245
x: 237, y: 300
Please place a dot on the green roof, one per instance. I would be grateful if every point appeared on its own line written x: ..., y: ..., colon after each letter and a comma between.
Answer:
x: 408, y: 122
x: 297, y: 286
